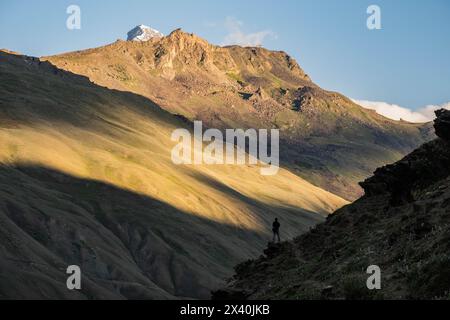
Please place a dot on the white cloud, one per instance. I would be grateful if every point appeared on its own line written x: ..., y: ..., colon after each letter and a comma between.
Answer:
x: 396, y: 112
x: 238, y: 37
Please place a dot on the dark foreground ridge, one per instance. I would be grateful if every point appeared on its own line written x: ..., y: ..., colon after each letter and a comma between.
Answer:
x: 400, y: 225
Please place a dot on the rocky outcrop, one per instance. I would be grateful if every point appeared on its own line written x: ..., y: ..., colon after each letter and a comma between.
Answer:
x: 401, y: 225
x: 442, y: 124
x: 417, y: 170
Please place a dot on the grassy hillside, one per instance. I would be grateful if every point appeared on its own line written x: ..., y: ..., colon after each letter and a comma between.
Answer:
x: 87, y: 179
x: 326, y: 138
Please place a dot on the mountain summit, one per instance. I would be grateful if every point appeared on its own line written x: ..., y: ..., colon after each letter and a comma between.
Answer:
x: 143, y: 33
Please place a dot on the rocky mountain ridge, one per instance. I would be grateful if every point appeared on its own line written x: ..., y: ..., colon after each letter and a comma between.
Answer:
x: 325, y: 137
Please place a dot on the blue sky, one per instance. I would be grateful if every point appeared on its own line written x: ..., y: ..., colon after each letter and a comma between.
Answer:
x: 407, y: 62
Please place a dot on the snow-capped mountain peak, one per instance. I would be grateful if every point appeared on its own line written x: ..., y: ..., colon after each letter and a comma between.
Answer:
x: 143, y: 33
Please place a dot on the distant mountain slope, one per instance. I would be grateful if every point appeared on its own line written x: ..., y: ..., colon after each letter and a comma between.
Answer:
x: 326, y: 138
x: 402, y: 225
x: 87, y: 179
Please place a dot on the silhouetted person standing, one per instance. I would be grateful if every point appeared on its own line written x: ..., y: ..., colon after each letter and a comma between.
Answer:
x: 276, y: 230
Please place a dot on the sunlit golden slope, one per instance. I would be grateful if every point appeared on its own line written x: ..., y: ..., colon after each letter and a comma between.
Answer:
x: 326, y: 138
x: 88, y: 165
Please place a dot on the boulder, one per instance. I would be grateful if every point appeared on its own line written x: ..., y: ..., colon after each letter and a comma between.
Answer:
x: 442, y: 124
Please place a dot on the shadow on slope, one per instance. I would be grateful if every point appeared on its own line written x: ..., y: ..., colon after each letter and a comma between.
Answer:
x: 34, y: 91
x: 326, y: 138
x: 127, y: 245
x: 294, y: 220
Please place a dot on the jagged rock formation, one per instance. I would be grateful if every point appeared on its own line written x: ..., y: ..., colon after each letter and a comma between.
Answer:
x: 402, y: 225
x: 416, y: 171
x: 442, y: 124
x: 325, y: 137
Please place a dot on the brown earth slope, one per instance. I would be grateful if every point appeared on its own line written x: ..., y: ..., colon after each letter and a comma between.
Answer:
x: 326, y: 138
x: 402, y: 225
x: 86, y: 178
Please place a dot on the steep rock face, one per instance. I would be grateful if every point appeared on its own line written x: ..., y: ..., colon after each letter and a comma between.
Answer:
x: 325, y: 137
x: 402, y: 225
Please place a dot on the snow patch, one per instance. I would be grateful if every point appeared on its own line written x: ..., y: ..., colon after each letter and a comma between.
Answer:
x: 143, y: 33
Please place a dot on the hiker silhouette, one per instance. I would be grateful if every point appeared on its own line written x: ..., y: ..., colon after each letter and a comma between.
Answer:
x: 276, y: 230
